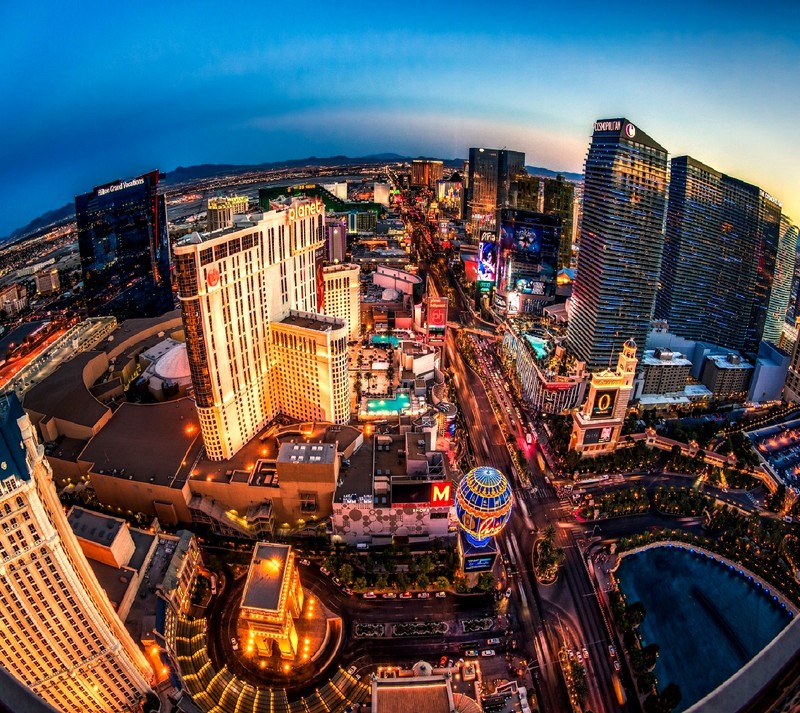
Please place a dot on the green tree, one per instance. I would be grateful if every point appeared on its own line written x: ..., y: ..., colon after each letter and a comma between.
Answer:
x: 360, y: 583
x: 423, y: 581
x: 346, y: 573
x: 671, y: 696
x: 402, y: 581
x: 442, y: 583
x: 635, y: 614
x: 485, y: 581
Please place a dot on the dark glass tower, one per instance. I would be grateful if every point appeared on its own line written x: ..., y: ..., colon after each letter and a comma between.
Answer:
x: 690, y: 266
x: 622, y: 239
x: 492, y: 179
x: 124, y: 249
x: 720, y: 259
x: 559, y: 197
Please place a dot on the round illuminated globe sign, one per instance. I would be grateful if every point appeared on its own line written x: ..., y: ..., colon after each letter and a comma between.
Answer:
x: 483, y: 504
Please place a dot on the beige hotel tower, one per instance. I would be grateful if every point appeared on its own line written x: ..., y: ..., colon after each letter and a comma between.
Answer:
x: 254, y: 339
x: 60, y: 635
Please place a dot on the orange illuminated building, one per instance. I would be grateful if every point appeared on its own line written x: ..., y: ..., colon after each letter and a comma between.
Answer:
x: 272, y: 600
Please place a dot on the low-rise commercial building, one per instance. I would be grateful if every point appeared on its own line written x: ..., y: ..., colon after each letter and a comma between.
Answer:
x: 664, y: 371
x: 727, y: 376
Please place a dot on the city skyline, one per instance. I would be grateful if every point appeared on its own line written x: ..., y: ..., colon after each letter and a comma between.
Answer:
x: 146, y: 87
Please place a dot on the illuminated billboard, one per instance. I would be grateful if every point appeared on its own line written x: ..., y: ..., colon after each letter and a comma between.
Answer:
x: 487, y: 262
x: 513, y: 302
x: 528, y: 252
x: 603, y: 406
x: 437, y: 317
x: 597, y: 435
x: 479, y: 563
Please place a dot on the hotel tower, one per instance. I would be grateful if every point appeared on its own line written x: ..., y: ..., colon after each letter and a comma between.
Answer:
x: 60, y: 635
x: 622, y: 240
x: 256, y: 344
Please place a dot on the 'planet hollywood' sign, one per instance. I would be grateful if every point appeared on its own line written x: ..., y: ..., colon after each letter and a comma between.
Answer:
x: 305, y: 210
x: 120, y: 186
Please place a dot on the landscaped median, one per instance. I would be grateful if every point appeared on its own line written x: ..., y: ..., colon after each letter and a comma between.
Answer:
x: 547, y: 557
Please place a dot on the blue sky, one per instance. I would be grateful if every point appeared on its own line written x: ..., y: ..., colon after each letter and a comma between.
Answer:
x: 91, y: 92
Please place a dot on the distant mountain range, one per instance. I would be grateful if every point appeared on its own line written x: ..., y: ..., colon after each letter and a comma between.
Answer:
x: 184, y: 174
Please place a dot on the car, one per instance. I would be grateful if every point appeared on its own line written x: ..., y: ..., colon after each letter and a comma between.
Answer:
x: 442, y: 662
x: 493, y: 642
x: 423, y: 595
x: 579, y: 656
x: 369, y: 595
x: 471, y: 653
x: 488, y: 652
x: 585, y: 653
x: 234, y: 643
x: 347, y: 590
x: 389, y: 595
x: 405, y: 595
x: 305, y: 562
x: 508, y: 593
x: 787, y: 518
x: 441, y: 595
x: 449, y: 663
x: 616, y: 665
x: 336, y: 581
x: 323, y: 570
x: 352, y: 669
x: 570, y: 653
x: 612, y: 650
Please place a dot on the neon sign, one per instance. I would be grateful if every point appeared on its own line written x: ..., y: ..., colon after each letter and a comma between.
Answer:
x: 305, y: 210
x: 441, y: 494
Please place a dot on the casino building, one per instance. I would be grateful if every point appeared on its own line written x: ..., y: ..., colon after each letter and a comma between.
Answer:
x: 597, y: 426
x: 249, y: 296
x: 622, y: 239
x: 124, y: 249
x: 397, y: 489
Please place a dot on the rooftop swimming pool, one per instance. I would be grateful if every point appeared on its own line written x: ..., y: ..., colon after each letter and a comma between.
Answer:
x: 539, y: 345
x: 707, y: 619
x: 388, y: 407
x: 385, y: 339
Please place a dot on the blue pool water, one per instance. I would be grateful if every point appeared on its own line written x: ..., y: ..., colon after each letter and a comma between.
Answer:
x: 707, y: 619
x: 539, y: 345
x: 385, y: 339
x: 388, y: 406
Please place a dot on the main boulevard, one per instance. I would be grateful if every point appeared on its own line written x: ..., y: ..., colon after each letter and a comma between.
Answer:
x: 567, y: 612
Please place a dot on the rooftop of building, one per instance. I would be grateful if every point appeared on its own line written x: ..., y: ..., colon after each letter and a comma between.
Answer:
x: 421, y: 694
x: 664, y: 357
x: 66, y: 449
x: 147, y: 442
x: 265, y: 578
x: 341, y: 267
x: 255, y: 462
x: 355, y: 480
x: 94, y: 526
x: 321, y: 453
x: 729, y: 361
x: 64, y: 394
x: 135, y: 330
x: 311, y: 321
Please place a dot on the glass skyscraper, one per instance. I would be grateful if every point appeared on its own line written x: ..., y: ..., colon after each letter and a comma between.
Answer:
x: 492, y: 180
x: 720, y: 259
x: 124, y: 249
x: 622, y: 239
x: 782, y: 284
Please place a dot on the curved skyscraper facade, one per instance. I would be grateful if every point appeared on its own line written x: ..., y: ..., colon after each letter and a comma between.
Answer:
x: 622, y: 239
x: 61, y: 636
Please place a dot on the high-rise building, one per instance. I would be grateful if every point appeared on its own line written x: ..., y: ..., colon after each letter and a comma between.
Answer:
x: 492, y: 180
x: 311, y: 353
x: 622, y: 238
x: 336, y: 237
x: 720, y: 259
x: 782, y: 282
x: 47, y: 282
x: 425, y: 172
x: 124, y: 249
x: 220, y: 211
x: 343, y: 295
x: 61, y: 635
x: 233, y: 285
x: 559, y: 197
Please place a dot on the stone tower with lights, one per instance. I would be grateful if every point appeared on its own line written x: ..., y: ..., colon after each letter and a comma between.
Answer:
x: 597, y: 425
